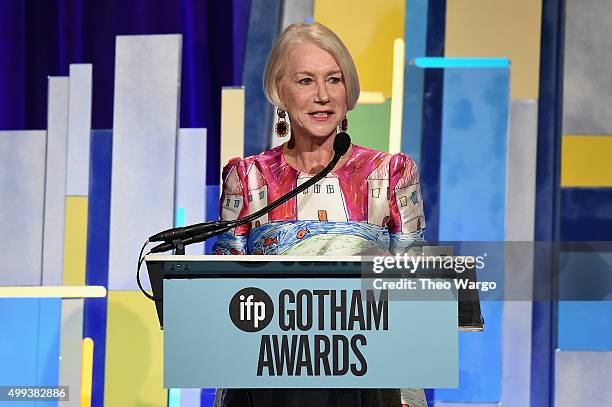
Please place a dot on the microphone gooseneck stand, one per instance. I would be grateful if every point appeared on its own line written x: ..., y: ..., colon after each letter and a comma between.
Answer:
x: 178, y: 238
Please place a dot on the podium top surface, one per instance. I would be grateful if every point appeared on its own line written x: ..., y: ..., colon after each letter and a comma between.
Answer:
x: 252, y: 257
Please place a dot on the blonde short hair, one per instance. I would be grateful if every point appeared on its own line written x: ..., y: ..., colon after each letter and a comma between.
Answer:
x: 320, y: 35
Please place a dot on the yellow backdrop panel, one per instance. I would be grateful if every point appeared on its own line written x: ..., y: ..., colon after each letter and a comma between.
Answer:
x: 498, y: 28
x: 585, y: 161
x: 75, y: 240
x: 134, y: 352
x: 368, y: 29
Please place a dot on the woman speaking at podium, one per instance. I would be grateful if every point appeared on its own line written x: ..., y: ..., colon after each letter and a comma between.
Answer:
x: 369, y: 203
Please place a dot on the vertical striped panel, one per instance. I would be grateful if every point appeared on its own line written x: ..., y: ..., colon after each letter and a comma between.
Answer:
x: 212, y: 212
x: 75, y: 240
x: 380, y: 22
x: 264, y: 21
x: 174, y: 397
x: 521, y: 166
x: 48, y: 348
x: 369, y: 125
x: 191, y: 179
x: 55, y: 181
x: 232, y: 123
x: 486, y: 28
x: 29, y: 341
x: 190, y: 398
x: 586, y: 214
x: 18, y: 340
x: 79, y: 130
x: 70, y: 343
x: 86, y: 371
x: 415, y: 35
x: 296, y: 11
x: 585, y: 161
x: 94, y: 319
x: 147, y: 78
x: 134, y: 365
x: 397, y: 97
x: 293, y: 11
x: 475, y: 124
x: 472, y: 205
x: 583, y: 379
x: 208, y: 397
x: 587, y: 102
x: 586, y: 325
x: 22, y: 188
x: 519, y: 226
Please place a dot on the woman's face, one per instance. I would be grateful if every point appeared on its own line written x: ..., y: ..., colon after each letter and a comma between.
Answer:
x: 313, y: 91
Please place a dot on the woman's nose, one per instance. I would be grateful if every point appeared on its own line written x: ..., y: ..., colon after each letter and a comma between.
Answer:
x: 322, y: 95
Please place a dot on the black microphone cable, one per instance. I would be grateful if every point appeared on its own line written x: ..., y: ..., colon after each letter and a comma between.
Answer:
x: 140, y: 260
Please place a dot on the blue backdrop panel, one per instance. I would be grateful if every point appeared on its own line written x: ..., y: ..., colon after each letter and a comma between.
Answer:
x: 472, y: 204
x: 585, y: 325
x: 473, y: 154
x: 18, y: 341
x: 98, y: 221
x: 49, y: 325
x: 415, y: 33
x: 586, y: 214
x: 264, y: 23
x: 29, y: 341
x: 547, y: 193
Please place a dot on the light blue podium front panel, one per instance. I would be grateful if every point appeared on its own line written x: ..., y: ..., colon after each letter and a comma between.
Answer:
x: 203, y: 347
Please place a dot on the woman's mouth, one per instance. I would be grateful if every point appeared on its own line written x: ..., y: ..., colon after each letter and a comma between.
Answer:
x: 321, y: 116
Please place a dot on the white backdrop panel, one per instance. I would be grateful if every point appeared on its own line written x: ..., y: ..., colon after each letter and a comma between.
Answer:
x: 147, y: 80
x: 55, y: 182
x: 22, y: 190
x: 190, y: 179
x: 79, y: 130
x: 519, y: 226
x: 583, y: 379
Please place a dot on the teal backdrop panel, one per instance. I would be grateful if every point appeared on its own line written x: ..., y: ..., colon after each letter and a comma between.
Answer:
x: 203, y: 346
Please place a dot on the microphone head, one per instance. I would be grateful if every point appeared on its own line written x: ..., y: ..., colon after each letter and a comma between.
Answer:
x: 342, y: 143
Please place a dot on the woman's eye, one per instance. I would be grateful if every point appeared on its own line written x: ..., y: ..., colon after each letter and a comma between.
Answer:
x: 335, y: 79
x: 305, y: 81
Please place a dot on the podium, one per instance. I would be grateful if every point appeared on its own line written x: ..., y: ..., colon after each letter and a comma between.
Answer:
x: 303, y: 322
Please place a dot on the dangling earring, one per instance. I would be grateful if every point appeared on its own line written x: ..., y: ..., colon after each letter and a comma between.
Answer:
x: 281, y: 128
x: 344, y: 124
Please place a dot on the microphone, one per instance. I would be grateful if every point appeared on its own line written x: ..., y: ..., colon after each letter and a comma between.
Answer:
x: 203, y: 231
